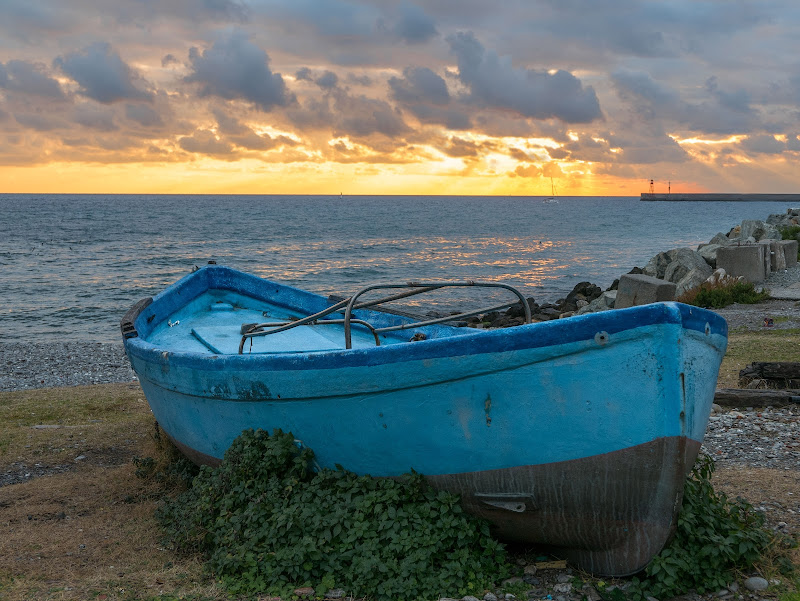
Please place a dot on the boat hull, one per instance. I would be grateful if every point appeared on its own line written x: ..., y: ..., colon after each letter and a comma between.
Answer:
x: 577, y: 433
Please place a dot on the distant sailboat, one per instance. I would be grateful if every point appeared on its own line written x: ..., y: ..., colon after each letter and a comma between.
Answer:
x: 552, y: 198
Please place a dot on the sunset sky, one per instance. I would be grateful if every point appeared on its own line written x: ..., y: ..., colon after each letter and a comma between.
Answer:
x: 399, y: 97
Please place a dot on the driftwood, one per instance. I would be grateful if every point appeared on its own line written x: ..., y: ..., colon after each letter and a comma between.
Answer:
x: 738, y: 397
x: 770, y: 375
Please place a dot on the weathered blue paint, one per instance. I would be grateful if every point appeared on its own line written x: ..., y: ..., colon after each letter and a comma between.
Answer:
x: 460, y: 402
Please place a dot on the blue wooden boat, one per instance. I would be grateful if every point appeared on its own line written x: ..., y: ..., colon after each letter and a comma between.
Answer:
x: 576, y: 433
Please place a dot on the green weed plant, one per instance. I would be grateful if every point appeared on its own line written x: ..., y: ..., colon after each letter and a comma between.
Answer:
x: 268, y: 523
x: 715, y: 537
x: 719, y: 295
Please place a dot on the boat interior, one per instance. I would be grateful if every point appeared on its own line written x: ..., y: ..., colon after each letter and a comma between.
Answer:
x: 228, y: 322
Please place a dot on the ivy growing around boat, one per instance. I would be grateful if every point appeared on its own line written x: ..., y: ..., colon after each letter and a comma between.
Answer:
x: 268, y: 523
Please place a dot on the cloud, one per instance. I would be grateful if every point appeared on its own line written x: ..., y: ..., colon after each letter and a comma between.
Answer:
x: 205, y: 142
x: 493, y: 82
x: 720, y: 112
x: 425, y: 95
x: 102, y: 75
x: 93, y: 117
x: 327, y: 80
x: 414, y: 26
x: 763, y: 144
x: 419, y: 85
x: 361, y: 116
x: 29, y: 78
x: 234, y: 68
x: 143, y: 115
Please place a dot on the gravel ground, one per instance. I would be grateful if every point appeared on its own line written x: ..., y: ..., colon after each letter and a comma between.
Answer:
x: 47, y: 365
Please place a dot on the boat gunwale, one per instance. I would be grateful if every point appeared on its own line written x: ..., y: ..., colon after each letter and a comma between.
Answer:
x: 529, y: 336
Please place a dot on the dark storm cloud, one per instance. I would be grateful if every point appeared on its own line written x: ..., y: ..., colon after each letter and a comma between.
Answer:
x: 493, y: 82
x: 29, y: 78
x: 719, y: 112
x: 234, y: 68
x: 102, y: 75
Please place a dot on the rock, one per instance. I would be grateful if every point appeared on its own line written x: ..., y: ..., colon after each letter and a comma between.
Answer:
x: 469, y: 598
x: 758, y: 230
x: 720, y: 239
x: 756, y: 583
x: 562, y: 587
x: 684, y: 260
x: 709, y: 253
x: 693, y: 279
x: 590, y: 593
x: 657, y: 265
x: 604, y: 302
x: 490, y: 597
x: 562, y: 578
x: 338, y: 593
x: 304, y: 591
x: 640, y: 289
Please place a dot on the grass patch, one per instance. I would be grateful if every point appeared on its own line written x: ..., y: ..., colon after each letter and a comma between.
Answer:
x: 88, y: 532
x: 747, y: 346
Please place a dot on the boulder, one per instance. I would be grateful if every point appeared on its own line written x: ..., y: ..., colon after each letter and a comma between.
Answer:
x: 640, y: 289
x: 709, y: 253
x: 758, y: 230
x: 720, y: 239
x: 692, y: 279
x: 656, y: 266
x: 683, y: 261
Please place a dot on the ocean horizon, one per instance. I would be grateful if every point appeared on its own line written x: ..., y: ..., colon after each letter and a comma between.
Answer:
x: 72, y: 264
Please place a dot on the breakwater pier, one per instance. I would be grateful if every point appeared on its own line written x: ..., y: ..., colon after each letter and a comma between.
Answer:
x: 677, y: 196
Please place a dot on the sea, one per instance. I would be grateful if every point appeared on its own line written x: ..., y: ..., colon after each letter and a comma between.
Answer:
x: 71, y: 265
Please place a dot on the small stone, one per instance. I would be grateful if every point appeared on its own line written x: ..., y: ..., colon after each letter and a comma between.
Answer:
x: 562, y: 578
x: 337, y: 593
x: 470, y: 598
x: 511, y: 581
x: 591, y: 593
x: 756, y: 583
x: 733, y: 587
x: 490, y: 597
x: 304, y: 591
x: 532, y: 580
x: 562, y: 587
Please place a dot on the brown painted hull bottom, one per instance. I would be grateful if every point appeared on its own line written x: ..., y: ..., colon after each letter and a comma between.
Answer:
x: 608, y: 514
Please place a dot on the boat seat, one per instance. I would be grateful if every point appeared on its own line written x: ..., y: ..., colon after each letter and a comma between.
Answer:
x: 224, y: 340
